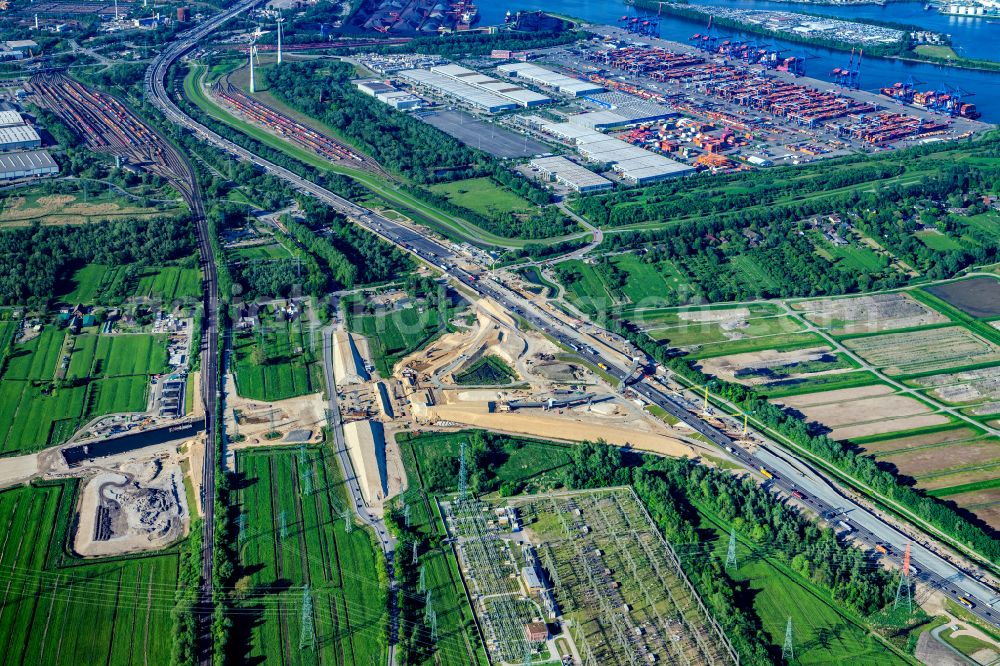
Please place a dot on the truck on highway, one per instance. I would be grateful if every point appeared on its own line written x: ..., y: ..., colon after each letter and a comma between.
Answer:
x: 798, y: 494
x: 766, y: 473
x: 881, y: 549
x: 967, y: 602
x: 601, y: 365
x: 844, y: 526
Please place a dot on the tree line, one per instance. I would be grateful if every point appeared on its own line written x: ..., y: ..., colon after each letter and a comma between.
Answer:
x: 35, y: 261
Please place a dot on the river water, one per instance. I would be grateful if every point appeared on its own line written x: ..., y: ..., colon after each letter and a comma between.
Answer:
x: 974, y: 38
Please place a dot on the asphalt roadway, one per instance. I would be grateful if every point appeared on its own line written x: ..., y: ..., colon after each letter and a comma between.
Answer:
x: 789, y: 473
x: 386, y: 541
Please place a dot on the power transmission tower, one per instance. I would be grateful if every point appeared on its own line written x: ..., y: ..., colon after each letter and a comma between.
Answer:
x: 307, y: 639
x: 414, y: 552
x: 406, y: 515
x: 307, y: 479
x: 903, y: 588
x: 348, y: 522
x: 242, y: 523
x: 788, y: 649
x: 462, y: 475
x: 282, y: 521
x: 731, y: 553
x: 422, y: 581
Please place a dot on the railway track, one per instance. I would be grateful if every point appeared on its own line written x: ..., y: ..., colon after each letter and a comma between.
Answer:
x: 108, y: 126
x: 278, y: 122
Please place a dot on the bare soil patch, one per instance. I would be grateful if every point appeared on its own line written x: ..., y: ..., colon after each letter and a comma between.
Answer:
x: 882, y: 427
x: 726, y: 367
x: 953, y: 456
x: 984, y: 503
x: 868, y: 314
x: 838, y: 396
x: 862, y: 411
x: 916, y: 441
x: 960, y: 477
x: 978, y: 297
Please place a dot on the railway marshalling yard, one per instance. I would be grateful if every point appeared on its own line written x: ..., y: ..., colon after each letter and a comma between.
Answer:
x: 909, y: 377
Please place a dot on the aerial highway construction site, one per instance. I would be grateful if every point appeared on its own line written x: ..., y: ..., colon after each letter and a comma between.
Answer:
x: 597, y: 349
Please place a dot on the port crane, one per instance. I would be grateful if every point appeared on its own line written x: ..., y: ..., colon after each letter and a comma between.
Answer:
x: 707, y: 42
x: 850, y: 76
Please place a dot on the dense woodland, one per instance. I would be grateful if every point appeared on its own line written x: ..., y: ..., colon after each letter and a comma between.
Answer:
x: 35, y: 261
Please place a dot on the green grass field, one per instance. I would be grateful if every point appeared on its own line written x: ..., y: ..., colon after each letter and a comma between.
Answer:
x: 290, y: 368
x: 823, y: 634
x: 705, y: 333
x: 781, y: 341
x: 789, y: 387
x: 255, y: 252
x: 938, y: 241
x: 752, y: 273
x: 587, y: 292
x: 100, y: 284
x: 522, y: 459
x: 292, y: 539
x: 483, y: 196
x: 62, y: 610
x: 641, y: 284
x: 106, y: 374
x: 487, y: 371
x: 395, y: 334
x: 169, y: 283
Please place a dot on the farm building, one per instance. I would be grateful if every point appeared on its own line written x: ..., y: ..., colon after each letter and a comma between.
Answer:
x: 26, y: 165
x: 19, y: 137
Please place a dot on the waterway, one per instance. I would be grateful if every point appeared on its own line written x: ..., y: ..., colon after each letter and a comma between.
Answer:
x: 975, y: 38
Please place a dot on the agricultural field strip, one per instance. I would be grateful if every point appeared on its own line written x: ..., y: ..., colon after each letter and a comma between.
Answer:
x: 694, y: 323
x: 924, y: 351
x: 309, y: 526
x: 901, y: 388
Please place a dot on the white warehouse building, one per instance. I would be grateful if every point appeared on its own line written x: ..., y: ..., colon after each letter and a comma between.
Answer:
x: 567, y: 85
x: 19, y: 137
x: 571, y: 174
x: 27, y: 165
